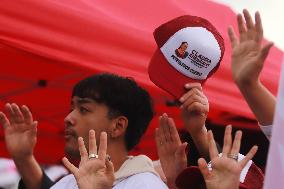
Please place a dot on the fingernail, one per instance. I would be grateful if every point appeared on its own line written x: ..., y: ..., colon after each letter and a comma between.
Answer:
x: 108, y: 157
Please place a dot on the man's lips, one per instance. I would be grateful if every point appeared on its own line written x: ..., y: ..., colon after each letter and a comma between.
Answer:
x: 69, y: 133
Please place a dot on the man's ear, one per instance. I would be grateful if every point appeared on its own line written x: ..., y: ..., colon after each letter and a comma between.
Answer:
x: 118, y: 127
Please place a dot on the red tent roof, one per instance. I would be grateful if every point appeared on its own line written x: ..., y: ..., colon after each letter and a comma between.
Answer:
x: 47, y: 46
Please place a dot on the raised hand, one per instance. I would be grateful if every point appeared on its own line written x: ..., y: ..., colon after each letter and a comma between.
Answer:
x: 170, y: 149
x: 195, y: 108
x: 226, y: 170
x: 248, y: 54
x: 20, y: 131
x: 95, y: 170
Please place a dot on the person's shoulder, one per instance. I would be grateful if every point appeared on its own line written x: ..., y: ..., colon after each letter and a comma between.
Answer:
x: 144, y: 180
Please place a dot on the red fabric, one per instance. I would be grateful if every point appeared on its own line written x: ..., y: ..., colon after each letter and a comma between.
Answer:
x: 47, y: 46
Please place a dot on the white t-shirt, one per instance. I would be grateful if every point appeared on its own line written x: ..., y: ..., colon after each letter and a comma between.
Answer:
x: 267, y: 130
x: 138, y: 181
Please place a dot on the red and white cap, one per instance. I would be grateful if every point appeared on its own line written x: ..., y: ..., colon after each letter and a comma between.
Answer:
x: 190, y: 49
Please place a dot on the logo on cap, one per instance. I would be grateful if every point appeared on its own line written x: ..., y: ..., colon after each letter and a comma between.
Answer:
x: 181, y: 51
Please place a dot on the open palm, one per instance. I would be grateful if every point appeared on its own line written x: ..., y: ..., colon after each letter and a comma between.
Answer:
x: 225, y: 171
x: 20, y: 130
x: 96, y: 172
x: 248, y: 54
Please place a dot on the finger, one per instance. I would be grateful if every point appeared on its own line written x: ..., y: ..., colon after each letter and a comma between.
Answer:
x: 173, y: 131
x: 193, y: 91
x: 194, y: 99
x: 232, y: 36
x: 181, y: 157
x: 241, y: 25
x: 249, y: 22
x: 4, y: 120
x: 33, y: 129
x: 258, y: 28
x: 19, y: 118
x: 202, y: 165
x: 28, y: 117
x: 82, y: 150
x: 264, y: 52
x: 213, y: 152
x: 249, y: 156
x: 237, y: 143
x: 165, y: 129
x: 189, y: 86
x: 70, y: 166
x: 158, y: 139
x: 160, y: 132
x: 227, y: 140
x: 92, y: 142
x: 109, y: 167
x: 103, y: 146
x: 11, y: 113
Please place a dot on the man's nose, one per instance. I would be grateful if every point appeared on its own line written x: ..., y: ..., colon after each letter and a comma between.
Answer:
x: 69, y: 120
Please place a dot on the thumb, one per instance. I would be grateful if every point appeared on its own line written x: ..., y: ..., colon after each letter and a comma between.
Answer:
x: 202, y: 165
x: 180, y: 156
x: 265, y: 51
x: 34, y: 128
x: 109, y: 167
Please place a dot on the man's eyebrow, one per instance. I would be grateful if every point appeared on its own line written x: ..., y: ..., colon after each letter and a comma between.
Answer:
x: 84, y: 100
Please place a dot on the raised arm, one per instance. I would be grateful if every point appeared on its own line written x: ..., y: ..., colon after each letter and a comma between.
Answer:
x: 20, y: 138
x: 248, y: 56
x: 195, y: 108
x: 171, y: 150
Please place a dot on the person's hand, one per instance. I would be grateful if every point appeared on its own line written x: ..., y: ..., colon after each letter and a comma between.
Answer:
x: 195, y: 108
x: 225, y: 173
x: 170, y: 149
x: 20, y: 131
x: 94, y: 172
x: 248, y: 54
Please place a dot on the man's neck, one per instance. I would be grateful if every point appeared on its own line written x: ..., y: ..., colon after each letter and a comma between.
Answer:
x: 118, y: 154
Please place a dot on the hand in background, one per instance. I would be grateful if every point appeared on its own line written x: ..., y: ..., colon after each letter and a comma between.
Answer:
x: 20, y: 131
x: 225, y: 173
x: 170, y: 149
x: 248, y: 54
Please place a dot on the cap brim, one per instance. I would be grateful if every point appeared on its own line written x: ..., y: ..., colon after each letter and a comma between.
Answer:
x: 166, y: 76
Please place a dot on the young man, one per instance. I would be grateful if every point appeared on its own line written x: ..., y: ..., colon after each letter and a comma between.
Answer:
x: 103, y: 103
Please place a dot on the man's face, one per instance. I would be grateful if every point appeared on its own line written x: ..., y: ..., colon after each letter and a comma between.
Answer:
x: 85, y: 114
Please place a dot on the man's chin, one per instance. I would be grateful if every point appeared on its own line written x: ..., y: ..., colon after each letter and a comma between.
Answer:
x: 72, y: 150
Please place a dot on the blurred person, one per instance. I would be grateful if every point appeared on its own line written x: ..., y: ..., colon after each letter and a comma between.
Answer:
x: 105, y: 103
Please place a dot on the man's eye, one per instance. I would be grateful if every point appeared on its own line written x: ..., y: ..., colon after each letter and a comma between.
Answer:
x: 83, y: 110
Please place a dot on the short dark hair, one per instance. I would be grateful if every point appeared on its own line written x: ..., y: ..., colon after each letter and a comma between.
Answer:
x: 122, y: 96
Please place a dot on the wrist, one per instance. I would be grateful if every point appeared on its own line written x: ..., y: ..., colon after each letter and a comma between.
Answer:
x: 22, y: 160
x: 248, y: 83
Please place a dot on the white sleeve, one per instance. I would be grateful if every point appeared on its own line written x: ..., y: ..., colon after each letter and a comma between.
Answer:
x: 141, y: 181
x: 267, y: 130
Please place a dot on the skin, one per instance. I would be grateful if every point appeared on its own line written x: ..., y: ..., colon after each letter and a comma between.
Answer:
x: 194, y: 108
x: 93, y: 172
x: 248, y: 57
x: 224, y: 167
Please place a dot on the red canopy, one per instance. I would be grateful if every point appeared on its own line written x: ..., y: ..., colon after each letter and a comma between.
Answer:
x: 47, y: 46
